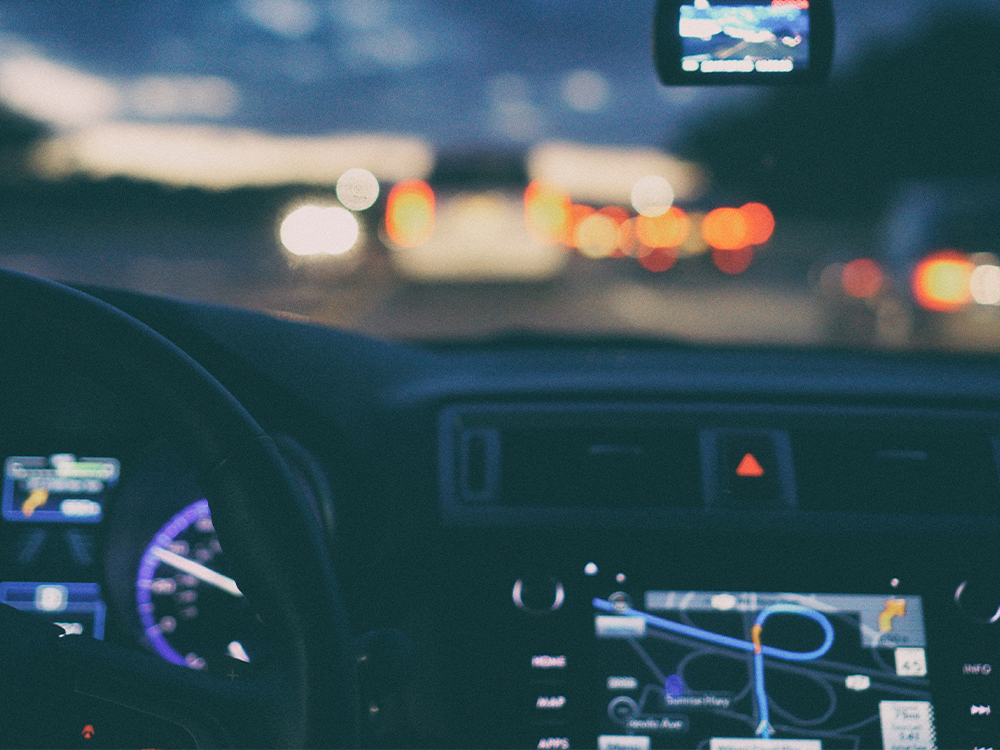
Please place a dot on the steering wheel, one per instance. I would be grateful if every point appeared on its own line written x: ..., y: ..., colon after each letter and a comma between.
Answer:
x: 306, y: 694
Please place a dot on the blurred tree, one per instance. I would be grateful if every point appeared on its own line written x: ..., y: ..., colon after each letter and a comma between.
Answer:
x: 18, y: 135
x: 927, y: 108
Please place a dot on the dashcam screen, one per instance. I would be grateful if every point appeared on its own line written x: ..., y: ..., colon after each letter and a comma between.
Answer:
x: 745, y: 37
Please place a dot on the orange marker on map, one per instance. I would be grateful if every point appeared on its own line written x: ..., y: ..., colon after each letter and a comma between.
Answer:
x: 755, y: 632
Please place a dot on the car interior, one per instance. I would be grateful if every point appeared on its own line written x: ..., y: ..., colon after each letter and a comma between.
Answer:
x: 387, y: 509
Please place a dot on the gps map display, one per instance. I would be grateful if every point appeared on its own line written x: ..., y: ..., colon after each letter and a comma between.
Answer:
x: 763, y: 671
x: 744, y: 37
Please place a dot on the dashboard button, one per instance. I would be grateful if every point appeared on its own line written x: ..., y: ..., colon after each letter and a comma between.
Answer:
x: 551, y: 663
x: 976, y: 679
x: 747, y: 469
x: 554, y: 742
x: 981, y: 718
x: 978, y: 688
x: 551, y: 703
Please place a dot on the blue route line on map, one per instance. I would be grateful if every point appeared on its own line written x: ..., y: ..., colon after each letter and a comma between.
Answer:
x: 758, y: 650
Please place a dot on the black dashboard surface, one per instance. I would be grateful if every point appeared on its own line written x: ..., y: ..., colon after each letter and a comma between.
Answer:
x: 502, y: 514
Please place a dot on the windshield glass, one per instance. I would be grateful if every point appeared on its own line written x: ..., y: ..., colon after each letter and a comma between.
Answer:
x: 444, y: 170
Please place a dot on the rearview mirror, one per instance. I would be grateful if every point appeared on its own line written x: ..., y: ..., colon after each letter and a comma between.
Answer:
x: 759, y: 42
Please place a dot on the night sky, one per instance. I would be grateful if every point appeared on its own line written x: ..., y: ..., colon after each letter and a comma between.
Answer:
x: 492, y: 75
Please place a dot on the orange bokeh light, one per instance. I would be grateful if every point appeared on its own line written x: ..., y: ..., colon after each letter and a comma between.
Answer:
x: 575, y: 217
x: 733, y: 262
x: 862, y: 278
x: 667, y: 230
x: 628, y: 243
x: 623, y: 230
x: 659, y: 260
x: 616, y: 213
x: 761, y: 222
x: 942, y: 281
x: 726, y: 229
x: 409, y: 213
x: 597, y: 236
x: 546, y: 212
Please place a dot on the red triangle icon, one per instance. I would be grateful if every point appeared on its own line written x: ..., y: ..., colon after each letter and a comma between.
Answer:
x: 749, y: 467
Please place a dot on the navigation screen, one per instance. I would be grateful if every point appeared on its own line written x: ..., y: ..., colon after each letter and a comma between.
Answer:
x: 763, y: 671
x: 58, y: 488
x: 745, y: 37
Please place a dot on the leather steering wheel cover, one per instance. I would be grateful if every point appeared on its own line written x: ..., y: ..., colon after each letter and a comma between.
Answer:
x: 276, y: 552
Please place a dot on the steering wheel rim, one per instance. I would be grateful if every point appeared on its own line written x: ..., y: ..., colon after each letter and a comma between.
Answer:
x: 275, y: 550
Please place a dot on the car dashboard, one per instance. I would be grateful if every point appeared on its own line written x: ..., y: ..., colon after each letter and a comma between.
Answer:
x: 558, y: 544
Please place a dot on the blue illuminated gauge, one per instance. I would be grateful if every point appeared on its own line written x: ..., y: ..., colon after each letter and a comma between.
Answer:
x: 192, y: 612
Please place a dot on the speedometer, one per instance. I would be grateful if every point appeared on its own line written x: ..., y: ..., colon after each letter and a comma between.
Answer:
x: 192, y: 612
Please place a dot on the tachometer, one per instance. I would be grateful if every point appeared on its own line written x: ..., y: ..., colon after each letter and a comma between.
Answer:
x: 192, y: 612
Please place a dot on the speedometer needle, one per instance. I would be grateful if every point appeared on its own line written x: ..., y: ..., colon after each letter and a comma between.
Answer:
x: 199, y: 571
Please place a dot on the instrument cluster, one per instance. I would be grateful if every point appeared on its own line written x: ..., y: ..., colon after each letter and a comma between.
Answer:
x: 124, y: 549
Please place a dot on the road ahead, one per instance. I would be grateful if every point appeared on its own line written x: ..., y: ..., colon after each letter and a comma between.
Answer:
x: 772, y: 304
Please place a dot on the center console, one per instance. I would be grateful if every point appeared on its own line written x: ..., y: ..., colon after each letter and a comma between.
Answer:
x: 846, y: 600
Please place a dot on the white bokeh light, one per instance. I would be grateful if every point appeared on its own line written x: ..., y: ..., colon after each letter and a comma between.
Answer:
x: 180, y: 96
x: 292, y: 19
x: 985, y: 285
x: 652, y: 196
x: 586, y: 91
x: 55, y: 93
x: 319, y: 230
x: 512, y: 113
x: 357, y: 189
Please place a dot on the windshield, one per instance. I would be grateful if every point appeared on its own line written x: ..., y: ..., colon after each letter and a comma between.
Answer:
x: 461, y: 170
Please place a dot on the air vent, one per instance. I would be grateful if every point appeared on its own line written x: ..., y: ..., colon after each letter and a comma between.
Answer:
x: 879, y: 471
x: 571, y: 458
x: 695, y: 458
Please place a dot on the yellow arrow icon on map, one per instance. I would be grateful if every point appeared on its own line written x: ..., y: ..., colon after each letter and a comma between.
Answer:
x: 893, y: 608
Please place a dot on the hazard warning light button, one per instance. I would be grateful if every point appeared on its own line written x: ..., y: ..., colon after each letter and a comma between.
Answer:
x: 750, y: 467
x: 753, y: 470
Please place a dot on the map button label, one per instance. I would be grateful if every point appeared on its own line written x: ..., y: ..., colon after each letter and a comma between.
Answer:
x: 550, y: 702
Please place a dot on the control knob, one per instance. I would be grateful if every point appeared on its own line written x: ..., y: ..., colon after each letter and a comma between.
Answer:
x: 979, y: 600
x: 538, y: 594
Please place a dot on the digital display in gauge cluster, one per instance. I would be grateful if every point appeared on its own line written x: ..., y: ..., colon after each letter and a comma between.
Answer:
x: 52, y: 504
x: 129, y: 554
x: 57, y: 489
x: 75, y: 607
